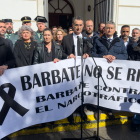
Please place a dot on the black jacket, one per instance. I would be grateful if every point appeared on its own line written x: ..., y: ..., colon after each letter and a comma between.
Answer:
x: 130, y: 47
x: 116, y: 48
x: 21, y: 55
x: 10, y: 43
x: 39, y: 56
x: 135, y: 54
x: 6, y: 55
x: 68, y: 46
x: 93, y: 38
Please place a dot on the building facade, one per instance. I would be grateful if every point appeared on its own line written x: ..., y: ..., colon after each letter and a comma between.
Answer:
x: 61, y: 12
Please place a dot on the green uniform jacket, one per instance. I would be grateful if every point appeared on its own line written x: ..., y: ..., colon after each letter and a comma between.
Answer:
x: 37, y: 39
x: 14, y: 37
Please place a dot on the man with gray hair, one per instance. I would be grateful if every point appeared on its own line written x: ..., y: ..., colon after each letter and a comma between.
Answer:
x: 110, y: 47
x: 40, y: 22
x: 136, y: 35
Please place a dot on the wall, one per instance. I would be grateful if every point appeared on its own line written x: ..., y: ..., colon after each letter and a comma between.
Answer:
x: 87, y: 14
x: 16, y: 9
x: 127, y: 12
x: 79, y: 6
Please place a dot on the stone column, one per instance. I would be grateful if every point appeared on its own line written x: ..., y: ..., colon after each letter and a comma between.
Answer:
x: 40, y: 8
x: 116, y: 12
x: 46, y: 11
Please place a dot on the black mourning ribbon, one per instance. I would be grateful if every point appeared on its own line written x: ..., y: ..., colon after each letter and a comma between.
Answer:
x: 10, y: 102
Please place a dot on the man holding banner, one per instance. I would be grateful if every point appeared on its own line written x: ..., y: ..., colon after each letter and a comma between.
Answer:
x: 71, y: 49
x: 6, y: 59
x: 109, y: 47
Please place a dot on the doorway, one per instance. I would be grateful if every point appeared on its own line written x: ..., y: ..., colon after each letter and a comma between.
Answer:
x: 61, y: 13
x: 63, y: 20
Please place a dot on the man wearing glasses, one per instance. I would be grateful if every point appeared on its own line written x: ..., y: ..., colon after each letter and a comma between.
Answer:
x: 40, y: 22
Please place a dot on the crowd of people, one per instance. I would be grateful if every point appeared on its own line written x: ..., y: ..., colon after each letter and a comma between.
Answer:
x: 26, y: 47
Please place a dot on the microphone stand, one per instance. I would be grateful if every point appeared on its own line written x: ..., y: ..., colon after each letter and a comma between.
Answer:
x: 82, y: 99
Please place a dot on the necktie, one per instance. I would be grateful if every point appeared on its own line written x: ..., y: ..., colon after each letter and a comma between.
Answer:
x: 78, y: 46
x: 109, y: 40
x: 41, y: 36
x: 9, y: 36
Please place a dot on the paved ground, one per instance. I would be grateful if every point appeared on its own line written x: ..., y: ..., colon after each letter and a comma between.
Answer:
x: 116, y: 132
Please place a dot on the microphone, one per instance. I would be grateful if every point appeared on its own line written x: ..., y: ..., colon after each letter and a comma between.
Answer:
x: 85, y: 39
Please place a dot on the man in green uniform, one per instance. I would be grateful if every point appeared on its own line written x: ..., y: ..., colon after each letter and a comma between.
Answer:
x: 41, y: 26
x: 9, y: 31
x: 26, y: 21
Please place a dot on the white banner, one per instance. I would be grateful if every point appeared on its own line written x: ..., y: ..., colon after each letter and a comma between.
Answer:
x: 52, y: 91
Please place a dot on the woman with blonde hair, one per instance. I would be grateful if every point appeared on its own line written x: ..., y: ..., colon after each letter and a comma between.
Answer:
x: 58, y: 36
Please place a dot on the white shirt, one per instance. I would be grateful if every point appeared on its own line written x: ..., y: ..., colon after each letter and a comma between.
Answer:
x: 75, y: 41
x: 126, y: 43
x: 91, y: 35
x: 110, y: 38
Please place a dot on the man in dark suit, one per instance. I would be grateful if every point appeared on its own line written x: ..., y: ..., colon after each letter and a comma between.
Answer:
x: 128, y: 42
x: 7, y: 60
x: 71, y: 49
x: 71, y: 43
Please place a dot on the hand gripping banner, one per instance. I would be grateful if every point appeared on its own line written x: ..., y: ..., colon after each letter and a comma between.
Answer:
x: 10, y: 102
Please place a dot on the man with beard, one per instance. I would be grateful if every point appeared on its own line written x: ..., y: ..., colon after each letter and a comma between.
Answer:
x: 136, y: 35
x: 40, y: 22
x: 89, y: 27
x: 3, y: 31
x: 9, y: 31
x: 128, y: 42
x: 101, y: 28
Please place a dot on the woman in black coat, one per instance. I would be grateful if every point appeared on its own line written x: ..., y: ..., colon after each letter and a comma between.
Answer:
x: 24, y: 47
x: 47, y: 50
